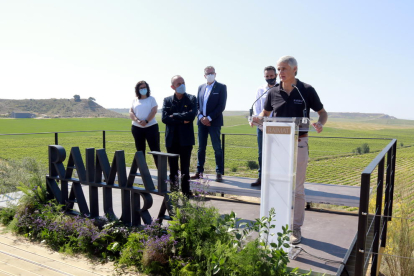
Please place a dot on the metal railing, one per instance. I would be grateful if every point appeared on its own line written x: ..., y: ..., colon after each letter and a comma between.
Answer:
x: 375, y: 225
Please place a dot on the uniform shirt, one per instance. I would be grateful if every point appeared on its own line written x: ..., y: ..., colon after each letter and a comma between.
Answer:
x: 142, y: 108
x: 284, y: 105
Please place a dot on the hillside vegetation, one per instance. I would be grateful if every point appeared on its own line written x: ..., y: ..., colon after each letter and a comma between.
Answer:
x: 56, y: 108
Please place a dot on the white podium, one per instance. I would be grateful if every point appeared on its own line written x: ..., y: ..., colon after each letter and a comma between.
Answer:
x: 279, y: 155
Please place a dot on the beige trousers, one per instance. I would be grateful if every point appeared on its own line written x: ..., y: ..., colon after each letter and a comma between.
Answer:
x: 300, y: 202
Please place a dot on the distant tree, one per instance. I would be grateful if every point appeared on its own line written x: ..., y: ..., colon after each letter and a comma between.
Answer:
x: 91, y: 99
x: 77, y: 98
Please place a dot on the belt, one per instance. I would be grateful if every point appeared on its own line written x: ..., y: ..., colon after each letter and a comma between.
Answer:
x: 303, y: 135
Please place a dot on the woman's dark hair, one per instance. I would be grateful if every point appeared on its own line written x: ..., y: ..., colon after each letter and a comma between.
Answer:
x: 137, y: 89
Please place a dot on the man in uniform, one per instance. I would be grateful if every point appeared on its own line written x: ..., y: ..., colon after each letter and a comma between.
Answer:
x: 287, y: 100
x: 178, y: 114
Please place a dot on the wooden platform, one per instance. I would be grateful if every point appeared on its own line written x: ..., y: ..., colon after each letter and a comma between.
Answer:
x: 315, y: 192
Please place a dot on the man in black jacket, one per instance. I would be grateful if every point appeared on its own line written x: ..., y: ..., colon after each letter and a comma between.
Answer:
x: 178, y: 114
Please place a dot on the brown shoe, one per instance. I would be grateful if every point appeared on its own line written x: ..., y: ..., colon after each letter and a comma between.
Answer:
x: 257, y: 183
x: 198, y: 175
x: 219, y: 178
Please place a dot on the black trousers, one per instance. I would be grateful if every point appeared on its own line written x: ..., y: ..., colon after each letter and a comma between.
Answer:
x: 185, y: 156
x: 148, y: 134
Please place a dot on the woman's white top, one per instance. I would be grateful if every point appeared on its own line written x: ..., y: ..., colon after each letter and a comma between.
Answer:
x: 142, y: 108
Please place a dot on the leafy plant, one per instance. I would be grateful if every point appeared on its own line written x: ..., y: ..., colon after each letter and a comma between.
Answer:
x: 400, y: 242
x: 7, y: 214
x: 252, y: 165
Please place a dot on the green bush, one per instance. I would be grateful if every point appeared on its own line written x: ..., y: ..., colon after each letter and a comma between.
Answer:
x: 13, y: 172
x: 362, y: 149
x: 252, y: 165
x: 7, y: 215
x: 365, y: 148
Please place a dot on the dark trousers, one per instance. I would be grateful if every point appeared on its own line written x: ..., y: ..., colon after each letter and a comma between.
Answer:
x: 185, y: 156
x: 149, y: 134
x: 215, y: 132
x: 260, y: 145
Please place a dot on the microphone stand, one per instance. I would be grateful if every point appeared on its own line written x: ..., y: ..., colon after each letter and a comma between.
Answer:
x: 305, y: 111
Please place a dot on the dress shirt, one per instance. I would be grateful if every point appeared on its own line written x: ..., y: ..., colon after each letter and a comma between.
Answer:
x: 259, y: 105
x: 207, y: 92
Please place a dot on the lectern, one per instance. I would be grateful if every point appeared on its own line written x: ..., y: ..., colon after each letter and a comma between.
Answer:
x: 280, y: 143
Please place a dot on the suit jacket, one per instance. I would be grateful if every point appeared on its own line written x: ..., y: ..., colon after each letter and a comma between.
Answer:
x: 183, y: 110
x: 216, y: 103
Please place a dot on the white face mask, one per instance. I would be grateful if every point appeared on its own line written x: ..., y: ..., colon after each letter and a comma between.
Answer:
x: 211, y: 78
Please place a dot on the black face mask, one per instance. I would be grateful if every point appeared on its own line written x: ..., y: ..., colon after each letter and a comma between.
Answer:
x: 271, y: 81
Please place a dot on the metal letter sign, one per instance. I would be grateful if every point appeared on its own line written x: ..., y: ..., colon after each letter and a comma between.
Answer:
x: 96, y: 165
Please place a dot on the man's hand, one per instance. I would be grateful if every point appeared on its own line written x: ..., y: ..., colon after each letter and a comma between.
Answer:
x: 318, y: 126
x: 186, y: 122
x: 205, y: 121
x: 257, y: 120
x: 251, y: 123
x: 143, y: 123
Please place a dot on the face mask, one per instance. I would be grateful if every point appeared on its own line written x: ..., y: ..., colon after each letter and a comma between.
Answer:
x: 210, y: 78
x: 143, y: 91
x: 180, y: 89
x: 271, y: 81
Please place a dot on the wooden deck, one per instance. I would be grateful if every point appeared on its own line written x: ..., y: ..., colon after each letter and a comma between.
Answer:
x: 315, y: 192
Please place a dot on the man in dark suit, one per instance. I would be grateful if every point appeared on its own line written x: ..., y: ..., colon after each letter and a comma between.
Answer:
x: 178, y: 114
x: 211, y: 102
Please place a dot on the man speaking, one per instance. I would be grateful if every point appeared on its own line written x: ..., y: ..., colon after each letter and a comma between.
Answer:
x: 293, y: 98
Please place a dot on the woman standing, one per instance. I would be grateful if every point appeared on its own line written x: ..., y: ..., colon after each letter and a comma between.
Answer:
x: 144, y: 126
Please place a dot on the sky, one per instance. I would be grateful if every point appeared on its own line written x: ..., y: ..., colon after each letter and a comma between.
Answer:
x: 358, y: 55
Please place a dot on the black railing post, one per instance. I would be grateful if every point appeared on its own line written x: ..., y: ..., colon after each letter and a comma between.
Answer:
x: 394, y: 158
x: 377, y: 218
x: 387, y: 198
x: 56, y: 139
x: 103, y: 139
x: 223, y: 147
x: 362, y: 224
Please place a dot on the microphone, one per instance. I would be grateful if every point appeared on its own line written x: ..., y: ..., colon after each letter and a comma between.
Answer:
x: 251, y: 109
x: 305, y: 110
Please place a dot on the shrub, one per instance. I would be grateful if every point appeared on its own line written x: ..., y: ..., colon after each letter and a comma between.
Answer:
x: 13, y: 172
x: 400, y: 242
x: 252, y: 165
x: 362, y: 149
x: 7, y: 214
x: 365, y: 148
x: 233, y: 169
